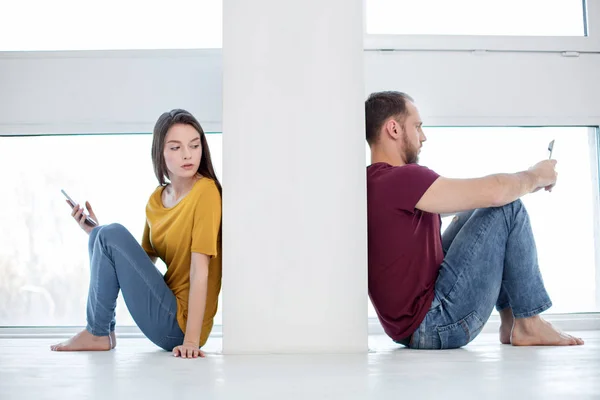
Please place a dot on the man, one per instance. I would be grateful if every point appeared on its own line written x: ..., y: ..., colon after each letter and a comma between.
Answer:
x: 437, y: 292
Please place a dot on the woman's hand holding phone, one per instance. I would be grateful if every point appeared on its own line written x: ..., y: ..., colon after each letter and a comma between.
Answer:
x: 82, y: 219
x: 86, y: 222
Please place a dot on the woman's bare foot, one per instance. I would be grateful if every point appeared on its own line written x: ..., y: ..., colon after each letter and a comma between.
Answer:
x: 85, y: 341
x: 506, y: 325
x: 534, y: 331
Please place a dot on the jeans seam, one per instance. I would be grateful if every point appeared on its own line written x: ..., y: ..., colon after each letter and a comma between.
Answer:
x: 468, y: 256
x: 534, y: 312
x: 135, y: 267
x: 94, y: 330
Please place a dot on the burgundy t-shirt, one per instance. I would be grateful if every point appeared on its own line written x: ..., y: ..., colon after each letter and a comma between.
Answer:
x: 405, y: 246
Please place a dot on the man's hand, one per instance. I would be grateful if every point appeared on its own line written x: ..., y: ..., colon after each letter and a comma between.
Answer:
x: 545, y: 175
x: 188, y: 350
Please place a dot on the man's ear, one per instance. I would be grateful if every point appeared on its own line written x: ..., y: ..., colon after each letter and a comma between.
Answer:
x: 392, y: 128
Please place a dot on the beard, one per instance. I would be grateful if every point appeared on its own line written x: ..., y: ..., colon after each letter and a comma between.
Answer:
x: 411, y: 154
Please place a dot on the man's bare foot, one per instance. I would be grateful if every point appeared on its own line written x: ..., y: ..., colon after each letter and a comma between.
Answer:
x: 506, y: 325
x: 113, y: 340
x: 84, y: 341
x: 534, y: 331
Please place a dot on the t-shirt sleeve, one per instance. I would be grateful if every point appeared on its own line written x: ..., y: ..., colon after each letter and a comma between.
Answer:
x: 207, y: 222
x: 146, y: 244
x: 410, y: 183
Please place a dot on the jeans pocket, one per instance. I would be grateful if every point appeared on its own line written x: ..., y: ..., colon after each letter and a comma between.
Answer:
x: 460, y: 333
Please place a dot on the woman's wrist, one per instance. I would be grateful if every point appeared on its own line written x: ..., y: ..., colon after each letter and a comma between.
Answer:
x: 194, y: 343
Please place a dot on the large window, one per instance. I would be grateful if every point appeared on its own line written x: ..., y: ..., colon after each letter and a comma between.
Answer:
x: 44, y: 262
x: 30, y: 25
x: 477, y: 17
x: 43, y: 258
x: 563, y: 221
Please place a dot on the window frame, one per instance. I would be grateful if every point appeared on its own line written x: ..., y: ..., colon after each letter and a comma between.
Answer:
x: 570, y: 321
x: 24, y: 330
x: 594, y: 148
x: 579, y: 321
x: 479, y: 43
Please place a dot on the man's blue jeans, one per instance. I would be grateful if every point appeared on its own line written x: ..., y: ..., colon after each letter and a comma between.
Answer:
x: 490, y: 260
x: 118, y: 262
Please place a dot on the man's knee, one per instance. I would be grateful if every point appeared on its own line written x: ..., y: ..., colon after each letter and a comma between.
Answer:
x: 518, y: 203
x: 514, y: 208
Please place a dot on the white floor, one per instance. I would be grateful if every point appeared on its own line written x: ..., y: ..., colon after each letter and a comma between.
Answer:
x: 483, y: 370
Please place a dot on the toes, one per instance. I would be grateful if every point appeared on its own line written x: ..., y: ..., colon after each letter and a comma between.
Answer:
x: 570, y: 340
x: 574, y: 341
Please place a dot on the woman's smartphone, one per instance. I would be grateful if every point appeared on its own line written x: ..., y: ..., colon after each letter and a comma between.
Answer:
x: 72, y: 203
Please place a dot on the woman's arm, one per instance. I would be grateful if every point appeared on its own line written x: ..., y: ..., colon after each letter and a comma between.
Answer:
x: 147, y: 245
x: 196, y: 307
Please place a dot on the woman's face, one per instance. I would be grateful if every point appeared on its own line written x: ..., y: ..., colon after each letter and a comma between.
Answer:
x: 182, y: 151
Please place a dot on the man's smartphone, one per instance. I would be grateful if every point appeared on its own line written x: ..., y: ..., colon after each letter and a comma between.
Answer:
x: 72, y: 203
x: 550, y: 148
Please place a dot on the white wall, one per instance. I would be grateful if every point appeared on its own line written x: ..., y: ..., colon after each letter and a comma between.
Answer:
x: 67, y: 92
x: 466, y: 88
x: 99, y: 92
x: 294, y: 207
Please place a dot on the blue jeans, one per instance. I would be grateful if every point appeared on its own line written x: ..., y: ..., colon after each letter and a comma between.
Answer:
x: 117, y: 261
x: 490, y: 260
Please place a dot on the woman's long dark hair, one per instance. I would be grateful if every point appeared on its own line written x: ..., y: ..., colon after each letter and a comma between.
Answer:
x: 164, y: 123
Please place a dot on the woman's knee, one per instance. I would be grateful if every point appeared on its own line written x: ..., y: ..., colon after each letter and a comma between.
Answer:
x: 94, y: 235
x: 114, y: 232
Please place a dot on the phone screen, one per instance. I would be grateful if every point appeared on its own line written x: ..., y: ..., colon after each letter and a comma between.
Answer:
x: 68, y: 198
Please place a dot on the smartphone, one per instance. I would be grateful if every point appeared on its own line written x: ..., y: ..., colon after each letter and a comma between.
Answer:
x: 89, y: 221
x: 550, y: 147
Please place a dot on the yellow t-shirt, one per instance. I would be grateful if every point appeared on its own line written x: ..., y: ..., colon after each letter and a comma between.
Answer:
x: 173, y: 234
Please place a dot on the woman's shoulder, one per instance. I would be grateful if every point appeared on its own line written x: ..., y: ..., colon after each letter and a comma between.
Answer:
x: 156, y: 196
x: 206, y: 188
x: 205, y: 185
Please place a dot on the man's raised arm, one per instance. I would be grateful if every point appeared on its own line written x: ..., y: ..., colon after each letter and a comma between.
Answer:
x: 448, y: 196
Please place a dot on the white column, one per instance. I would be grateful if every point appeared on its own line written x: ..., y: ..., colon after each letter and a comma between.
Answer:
x: 294, y: 216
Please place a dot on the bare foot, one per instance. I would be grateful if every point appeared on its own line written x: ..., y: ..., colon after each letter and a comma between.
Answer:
x: 84, y: 341
x: 506, y: 325
x: 113, y: 340
x: 534, y: 331
x: 505, y: 333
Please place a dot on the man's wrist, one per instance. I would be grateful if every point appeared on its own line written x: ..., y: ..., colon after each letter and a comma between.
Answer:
x: 531, y: 180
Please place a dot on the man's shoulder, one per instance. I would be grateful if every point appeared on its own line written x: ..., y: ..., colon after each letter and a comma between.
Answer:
x: 386, y: 171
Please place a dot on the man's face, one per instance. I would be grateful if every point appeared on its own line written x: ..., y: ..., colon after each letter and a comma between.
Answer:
x: 412, y: 135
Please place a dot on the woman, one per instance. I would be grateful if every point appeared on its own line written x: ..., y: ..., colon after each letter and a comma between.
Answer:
x: 183, y: 220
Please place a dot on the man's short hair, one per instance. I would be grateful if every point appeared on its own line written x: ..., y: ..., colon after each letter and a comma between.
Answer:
x: 379, y: 107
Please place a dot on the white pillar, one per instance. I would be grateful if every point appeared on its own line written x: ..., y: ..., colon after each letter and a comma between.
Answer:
x: 294, y: 205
